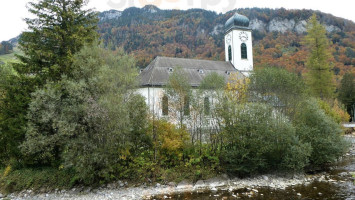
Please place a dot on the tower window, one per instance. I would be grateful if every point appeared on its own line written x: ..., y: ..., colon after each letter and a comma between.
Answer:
x: 244, y: 51
x: 230, y: 53
x: 165, y: 106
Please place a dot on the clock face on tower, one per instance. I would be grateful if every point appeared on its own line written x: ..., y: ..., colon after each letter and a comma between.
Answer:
x: 243, y: 36
x: 228, y: 39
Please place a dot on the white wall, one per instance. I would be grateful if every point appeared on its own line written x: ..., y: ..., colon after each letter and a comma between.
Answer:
x: 237, y: 61
x: 153, y: 97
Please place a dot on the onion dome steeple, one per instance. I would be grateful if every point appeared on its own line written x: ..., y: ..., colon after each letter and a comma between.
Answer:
x: 237, y: 21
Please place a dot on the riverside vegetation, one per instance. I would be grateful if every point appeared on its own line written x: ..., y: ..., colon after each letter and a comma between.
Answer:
x: 69, y: 115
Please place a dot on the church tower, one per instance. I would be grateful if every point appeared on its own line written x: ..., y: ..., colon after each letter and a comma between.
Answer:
x: 238, y: 43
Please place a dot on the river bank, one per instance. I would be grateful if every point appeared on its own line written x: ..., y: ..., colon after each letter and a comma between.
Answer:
x: 248, y: 186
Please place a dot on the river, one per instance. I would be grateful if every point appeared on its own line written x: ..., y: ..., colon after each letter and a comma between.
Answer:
x: 336, y: 183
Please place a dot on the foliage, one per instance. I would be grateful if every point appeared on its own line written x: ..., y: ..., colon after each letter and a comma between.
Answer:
x: 336, y: 112
x: 14, y: 101
x: 5, y: 47
x: 277, y: 87
x: 170, y: 142
x: 86, y: 123
x: 347, y: 94
x: 178, y: 91
x: 60, y: 29
x: 321, y: 131
x: 212, y: 81
x: 36, y: 179
x: 236, y: 89
x: 319, y: 77
x: 255, y: 141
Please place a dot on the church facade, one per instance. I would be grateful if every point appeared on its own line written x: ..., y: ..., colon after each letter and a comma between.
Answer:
x: 238, y: 60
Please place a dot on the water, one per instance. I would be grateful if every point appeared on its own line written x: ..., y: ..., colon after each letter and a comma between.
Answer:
x: 342, y: 188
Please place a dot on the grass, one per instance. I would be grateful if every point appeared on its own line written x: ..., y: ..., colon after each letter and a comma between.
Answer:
x: 8, y: 58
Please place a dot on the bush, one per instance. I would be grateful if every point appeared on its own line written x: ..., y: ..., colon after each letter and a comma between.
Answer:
x: 37, y: 178
x: 257, y: 139
x: 321, y: 131
x: 169, y: 142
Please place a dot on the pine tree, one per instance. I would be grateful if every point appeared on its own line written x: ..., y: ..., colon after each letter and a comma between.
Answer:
x: 320, y: 76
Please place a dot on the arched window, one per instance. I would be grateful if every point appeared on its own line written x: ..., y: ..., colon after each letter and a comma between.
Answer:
x: 186, y: 105
x: 230, y: 53
x: 207, y: 106
x: 165, y: 106
x: 244, y: 51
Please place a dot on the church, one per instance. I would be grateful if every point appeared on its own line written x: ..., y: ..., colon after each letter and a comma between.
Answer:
x: 238, y: 60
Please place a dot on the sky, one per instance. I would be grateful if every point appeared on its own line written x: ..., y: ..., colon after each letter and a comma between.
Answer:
x: 12, y: 12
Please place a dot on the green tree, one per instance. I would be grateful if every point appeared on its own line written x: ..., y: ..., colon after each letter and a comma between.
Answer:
x: 314, y: 126
x: 347, y: 94
x: 92, y: 122
x: 277, y: 87
x: 179, y: 93
x: 256, y: 141
x: 320, y: 76
x: 61, y: 28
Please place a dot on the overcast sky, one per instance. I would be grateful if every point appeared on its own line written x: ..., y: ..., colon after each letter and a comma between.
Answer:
x: 12, y: 12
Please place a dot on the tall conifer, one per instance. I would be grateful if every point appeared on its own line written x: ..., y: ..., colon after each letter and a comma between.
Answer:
x: 320, y: 75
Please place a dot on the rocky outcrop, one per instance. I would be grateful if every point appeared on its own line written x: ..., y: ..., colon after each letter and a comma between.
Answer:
x: 218, y: 29
x: 332, y: 28
x: 257, y: 25
x: 111, y: 14
x: 151, y: 9
x: 301, y: 27
x: 284, y: 25
x: 281, y: 25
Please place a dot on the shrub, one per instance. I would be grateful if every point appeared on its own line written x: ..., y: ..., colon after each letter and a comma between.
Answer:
x: 169, y: 142
x: 258, y: 140
x: 321, y: 131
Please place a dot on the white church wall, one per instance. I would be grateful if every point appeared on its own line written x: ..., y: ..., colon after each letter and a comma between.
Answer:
x: 153, y: 97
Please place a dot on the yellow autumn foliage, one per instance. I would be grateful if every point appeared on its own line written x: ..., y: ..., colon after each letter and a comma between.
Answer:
x: 170, y: 140
x: 236, y: 89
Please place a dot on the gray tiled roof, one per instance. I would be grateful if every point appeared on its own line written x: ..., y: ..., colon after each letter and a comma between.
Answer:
x: 157, y: 72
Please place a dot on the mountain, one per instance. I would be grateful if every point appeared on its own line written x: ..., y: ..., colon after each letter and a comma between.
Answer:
x: 277, y: 34
x: 196, y: 33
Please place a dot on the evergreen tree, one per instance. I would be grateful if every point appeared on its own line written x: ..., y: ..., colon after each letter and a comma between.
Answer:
x: 347, y: 94
x: 320, y: 76
x: 61, y: 28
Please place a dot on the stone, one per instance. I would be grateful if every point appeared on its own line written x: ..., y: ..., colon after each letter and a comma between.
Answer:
x: 120, y: 183
x: 184, y: 185
x: 157, y: 185
x: 172, y: 184
x: 200, y: 184
x: 299, y: 194
x: 1, y: 196
x: 266, y: 178
x: 217, y: 182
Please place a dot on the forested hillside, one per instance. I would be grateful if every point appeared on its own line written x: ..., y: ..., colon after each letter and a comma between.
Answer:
x: 197, y: 33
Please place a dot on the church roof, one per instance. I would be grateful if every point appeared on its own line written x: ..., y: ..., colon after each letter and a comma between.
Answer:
x: 158, y: 71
